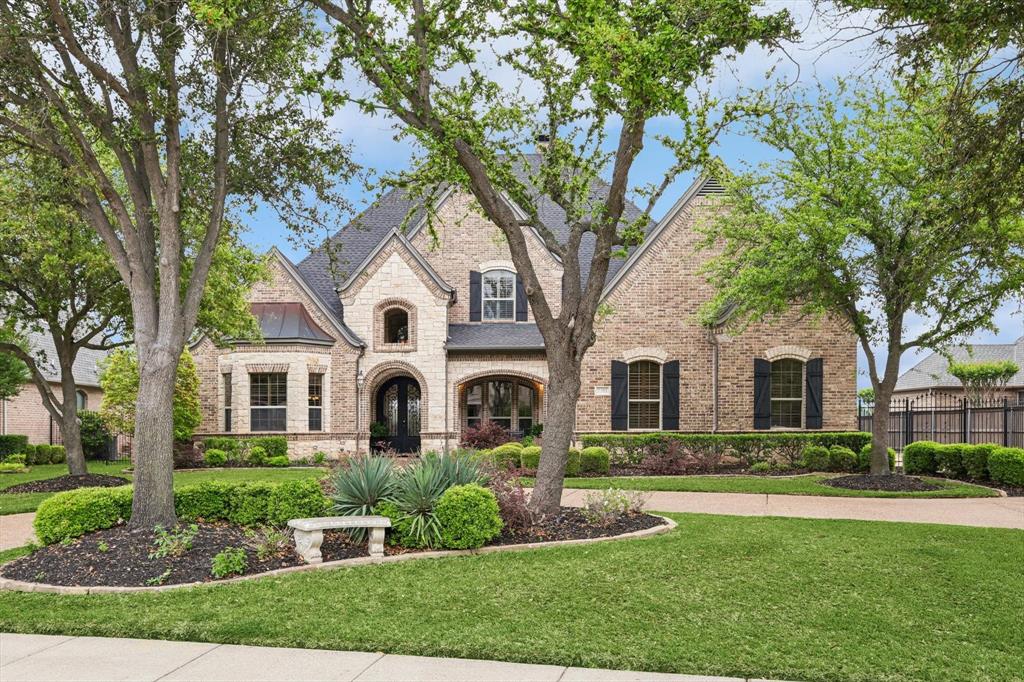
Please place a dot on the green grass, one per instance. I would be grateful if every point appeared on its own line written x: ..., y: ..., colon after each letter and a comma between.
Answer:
x: 15, y: 552
x: 795, y: 599
x: 16, y: 503
x: 809, y: 484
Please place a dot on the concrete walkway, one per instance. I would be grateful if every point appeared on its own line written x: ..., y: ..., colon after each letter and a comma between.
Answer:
x: 72, y: 659
x: 16, y: 530
x: 991, y: 512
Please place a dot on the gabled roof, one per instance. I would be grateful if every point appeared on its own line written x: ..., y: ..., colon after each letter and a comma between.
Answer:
x: 85, y: 370
x: 403, y: 241
x: 494, y: 336
x: 288, y: 322
x: 933, y: 371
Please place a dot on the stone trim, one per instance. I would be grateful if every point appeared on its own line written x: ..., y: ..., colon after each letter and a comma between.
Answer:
x: 380, y: 373
x: 795, y: 352
x: 267, y: 367
x: 22, y: 586
x: 497, y: 265
x: 658, y: 355
x: 396, y: 243
x: 380, y: 345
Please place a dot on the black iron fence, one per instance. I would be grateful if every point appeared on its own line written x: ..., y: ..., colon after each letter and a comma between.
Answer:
x: 117, y: 449
x: 949, y: 419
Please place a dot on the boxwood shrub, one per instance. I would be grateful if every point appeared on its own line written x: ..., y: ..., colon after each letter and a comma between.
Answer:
x: 71, y: 514
x: 279, y: 461
x: 864, y: 458
x: 572, y: 466
x: 949, y: 459
x: 468, y: 516
x: 841, y: 458
x: 920, y: 457
x: 240, y: 450
x: 1006, y: 465
x: 815, y: 458
x: 507, y: 455
x: 12, y: 444
x: 530, y: 457
x: 215, y: 457
x: 58, y: 454
x: 975, y: 459
x: 595, y: 460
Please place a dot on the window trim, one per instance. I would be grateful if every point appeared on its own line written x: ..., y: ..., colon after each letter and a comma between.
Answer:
x: 254, y: 408
x: 630, y: 401
x: 81, y: 400
x: 802, y: 400
x: 484, y: 298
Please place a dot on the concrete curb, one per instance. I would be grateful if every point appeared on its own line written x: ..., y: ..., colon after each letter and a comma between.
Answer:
x: 23, y: 586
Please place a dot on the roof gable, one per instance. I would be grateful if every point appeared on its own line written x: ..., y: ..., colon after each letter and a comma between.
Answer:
x: 396, y: 242
x: 933, y: 370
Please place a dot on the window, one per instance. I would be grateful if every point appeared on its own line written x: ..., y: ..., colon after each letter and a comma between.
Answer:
x: 316, y: 400
x: 81, y: 400
x: 268, y: 402
x: 644, y: 395
x: 227, y: 401
x: 787, y: 393
x: 510, y: 403
x: 396, y: 326
x: 499, y: 295
x: 1020, y: 397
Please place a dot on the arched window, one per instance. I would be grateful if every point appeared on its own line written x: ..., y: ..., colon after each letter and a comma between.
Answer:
x: 644, y: 395
x: 510, y: 403
x: 787, y: 393
x: 396, y: 326
x: 498, y: 295
x: 81, y: 400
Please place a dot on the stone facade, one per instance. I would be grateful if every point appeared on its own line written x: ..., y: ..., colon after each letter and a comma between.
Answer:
x: 651, y: 313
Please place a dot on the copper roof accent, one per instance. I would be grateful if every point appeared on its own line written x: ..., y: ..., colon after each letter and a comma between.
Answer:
x: 283, y: 322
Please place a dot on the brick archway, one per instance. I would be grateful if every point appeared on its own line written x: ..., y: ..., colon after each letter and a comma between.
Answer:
x: 380, y: 373
x: 459, y: 383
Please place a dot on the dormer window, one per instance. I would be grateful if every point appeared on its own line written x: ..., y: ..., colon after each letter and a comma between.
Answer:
x: 499, y: 295
x: 396, y: 326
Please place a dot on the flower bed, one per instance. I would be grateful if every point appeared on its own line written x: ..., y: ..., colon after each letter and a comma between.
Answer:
x: 63, y: 483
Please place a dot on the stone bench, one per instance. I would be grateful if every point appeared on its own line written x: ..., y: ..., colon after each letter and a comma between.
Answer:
x: 309, y: 533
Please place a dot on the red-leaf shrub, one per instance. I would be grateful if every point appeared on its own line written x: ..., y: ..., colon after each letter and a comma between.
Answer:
x: 485, y: 436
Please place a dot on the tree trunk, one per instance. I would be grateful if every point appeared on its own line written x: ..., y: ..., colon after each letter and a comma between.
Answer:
x: 880, y: 419
x: 559, y: 421
x: 71, y: 432
x: 153, y: 445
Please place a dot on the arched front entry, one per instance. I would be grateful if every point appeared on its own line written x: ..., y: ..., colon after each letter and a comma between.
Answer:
x: 398, y: 413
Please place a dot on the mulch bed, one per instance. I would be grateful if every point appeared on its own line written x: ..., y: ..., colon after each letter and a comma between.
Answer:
x: 120, y: 557
x: 67, y: 482
x: 890, y: 483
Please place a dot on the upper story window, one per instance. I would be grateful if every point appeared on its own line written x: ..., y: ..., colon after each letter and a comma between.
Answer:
x: 268, y: 401
x: 81, y: 400
x: 644, y: 395
x: 787, y: 393
x: 499, y: 295
x: 396, y: 326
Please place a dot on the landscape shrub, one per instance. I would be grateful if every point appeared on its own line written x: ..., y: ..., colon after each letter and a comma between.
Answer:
x: 279, y: 462
x: 248, y: 503
x: 815, y: 458
x: 529, y: 458
x: 572, y: 465
x: 215, y: 457
x: 11, y: 467
x: 71, y: 514
x: 319, y: 457
x: 58, y: 454
x: 94, y: 433
x: 864, y: 458
x: 274, y: 446
x: 20, y: 458
x: 468, y: 516
x: 507, y: 455
x: 761, y: 467
x: 841, y: 458
x: 1006, y: 465
x: 362, y: 486
x: 485, y: 436
x: 605, y: 507
x: 226, y: 443
x: 920, y: 457
x: 398, y: 533
x: 30, y: 454
x: 949, y: 459
x: 12, y: 444
x: 173, y: 541
x: 43, y: 453
x: 227, y: 562
x: 513, y: 502
x: 704, y: 450
x: 976, y: 460
x: 257, y: 456
x: 595, y: 460
x: 296, y: 500
x: 208, y: 501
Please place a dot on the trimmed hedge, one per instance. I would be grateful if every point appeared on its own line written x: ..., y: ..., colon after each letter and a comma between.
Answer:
x: 12, y: 444
x: 842, y: 459
x: 530, y: 457
x: 949, y: 459
x: 975, y: 460
x: 507, y: 455
x: 280, y: 461
x: 240, y: 449
x: 74, y: 513
x: 215, y: 457
x: 1006, y: 465
x: 815, y: 458
x: 468, y: 516
x: 58, y: 454
x: 572, y: 466
x: 920, y: 457
x: 595, y: 460
x: 630, y: 449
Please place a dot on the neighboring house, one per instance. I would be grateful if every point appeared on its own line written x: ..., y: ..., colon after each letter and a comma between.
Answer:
x: 427, y: 339
x: 24, y: 414
x: 931, y: 377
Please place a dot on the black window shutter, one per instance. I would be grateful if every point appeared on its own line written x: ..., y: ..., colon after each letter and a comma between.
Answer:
x: 520, y: 300
x: 762, y: 394
x: 670, y: 396
x: 620, y: 396
x: 474, y: 296
x: 815, y: 385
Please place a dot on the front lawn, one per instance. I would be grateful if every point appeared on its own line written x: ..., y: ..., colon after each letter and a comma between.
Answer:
x: 792, y: 599
x: 17, y: 503
x: 775, y: 485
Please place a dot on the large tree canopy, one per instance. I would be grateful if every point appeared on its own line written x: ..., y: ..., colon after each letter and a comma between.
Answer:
x: 168, y: 113
x: 866, y: 217
x: 592, y: 74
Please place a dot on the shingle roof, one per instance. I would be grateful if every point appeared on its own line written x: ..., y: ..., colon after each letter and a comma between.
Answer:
x: 494, y: 336
x: 933, y: 371
x: 85, y: 370
x: 288, y: 322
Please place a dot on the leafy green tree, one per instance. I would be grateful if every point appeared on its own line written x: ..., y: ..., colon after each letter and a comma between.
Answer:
x: 863, y: 218
x: 601, y: 71
x: 119, y: 379
x: 981, y: 379
x: 167, y: 114
x: 13, y: 372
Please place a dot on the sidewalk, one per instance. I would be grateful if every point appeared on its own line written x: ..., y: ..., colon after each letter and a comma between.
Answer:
x: 16, y: 530
x: 990, y: 512
x: 71, y: 659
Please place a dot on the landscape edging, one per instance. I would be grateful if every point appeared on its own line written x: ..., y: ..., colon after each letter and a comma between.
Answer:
x: 23, y: 586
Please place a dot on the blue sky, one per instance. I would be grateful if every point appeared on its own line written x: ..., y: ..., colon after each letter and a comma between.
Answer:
x: 814, y: 58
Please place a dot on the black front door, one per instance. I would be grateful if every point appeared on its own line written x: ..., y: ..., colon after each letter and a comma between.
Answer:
x: 398, y: 408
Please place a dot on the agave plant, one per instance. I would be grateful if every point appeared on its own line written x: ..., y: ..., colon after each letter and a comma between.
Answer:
x: 457, y: 468
x: 419, y: 488
x: 364, y: 483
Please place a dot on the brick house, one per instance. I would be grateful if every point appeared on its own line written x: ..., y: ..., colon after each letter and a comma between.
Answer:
x: 25, y: 415
x: 423, y: 337
x: 931, y: 378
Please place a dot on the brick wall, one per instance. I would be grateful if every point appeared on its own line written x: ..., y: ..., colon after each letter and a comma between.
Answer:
x: 25, y: 415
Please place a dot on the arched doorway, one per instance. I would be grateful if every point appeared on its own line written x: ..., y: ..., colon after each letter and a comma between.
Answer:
x: 398, y: 410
